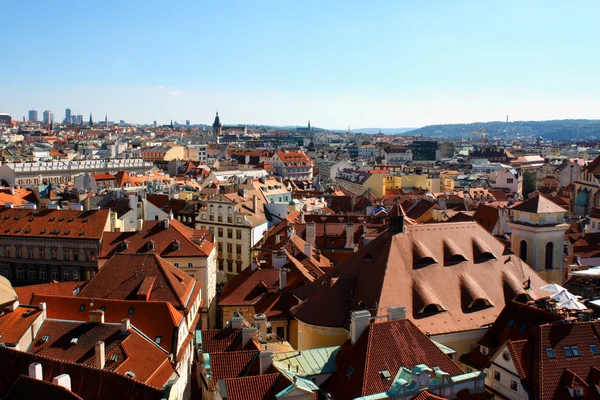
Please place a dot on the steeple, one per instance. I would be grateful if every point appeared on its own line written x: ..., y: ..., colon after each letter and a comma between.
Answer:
x: 309, y: 124
x: 91, y: 120
x: 217, y: 126
x: 171, y: 123
x: 106, y: 120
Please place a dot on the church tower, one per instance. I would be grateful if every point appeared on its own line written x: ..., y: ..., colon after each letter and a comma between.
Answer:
x: 217, y: 126
x: 538, y: 235
x: 106, y: 120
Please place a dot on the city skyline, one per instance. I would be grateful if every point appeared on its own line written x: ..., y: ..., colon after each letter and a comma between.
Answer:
x: 399, y: 64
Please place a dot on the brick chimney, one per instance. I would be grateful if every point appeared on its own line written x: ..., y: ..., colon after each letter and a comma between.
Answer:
x: 255, y: 203
x: 100, y: 354
x: 279, y: 259
x: 97, y: 316
x: 359, y: 322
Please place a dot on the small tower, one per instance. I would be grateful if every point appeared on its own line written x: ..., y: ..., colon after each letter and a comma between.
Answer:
x: 538, y: 235
x: 171, y: 124
x: 91, y: 120
x: 106, y: 120
x: 217, y: 126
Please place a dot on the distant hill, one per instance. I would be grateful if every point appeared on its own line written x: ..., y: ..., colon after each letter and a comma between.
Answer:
x: 385, y: 131
x: 566, y: 129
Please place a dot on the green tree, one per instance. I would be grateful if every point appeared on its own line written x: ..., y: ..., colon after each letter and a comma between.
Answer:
x: 529, y: 181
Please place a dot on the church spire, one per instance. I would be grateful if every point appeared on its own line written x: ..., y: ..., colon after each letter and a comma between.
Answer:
x: 91, y: 120
x: 106, y: 120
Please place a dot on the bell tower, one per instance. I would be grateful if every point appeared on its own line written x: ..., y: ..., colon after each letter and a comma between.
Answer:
x: 217, y: 126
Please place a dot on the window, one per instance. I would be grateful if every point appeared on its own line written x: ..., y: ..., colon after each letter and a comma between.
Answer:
x: 67, y: 275
x: 568, y: 351
x: 506, y: 356
x: 238, y: 234
x: 75, y: 275
x: 281, y: 332
x: 549, y: 255
x: 229, y: 233
x: 54, y: 275
x: 497, y: 376
x: 6, y: 273
x: 211, y: 217
x: 238, y: 220
x: 509, y: 180
x: 220, y: 247
x: 511, y: 323
x: 20, y: 273
x: 238, y: 267
x: 53, y: 254
x: 229, y: 219
x: 220, y: 232
x: 176, y: 264
x: 190, y: 265
x: 30, y: 252
x: 229, y: 266
x: 158, y: 339
x: 131, y: 311
x: 220, y: 218
x: 514, y: 385
x: 229, y: 247
x: 594, y: 350
x: 82, y: 308
x: 576, y: 352
x: 220, y: 265
x: 484, y: 350
x: 550, y: 353
x: 523, y: 250
x: 203, y: 216
x: 238, y: 248
x: 523, y: 328
x: 19, y: 252
x: 31, y: 273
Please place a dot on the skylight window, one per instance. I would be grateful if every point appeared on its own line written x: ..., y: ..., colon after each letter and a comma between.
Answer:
x: 568, y: 351
x: 550, y: 353
x: 511, y: 323
x: 523, y: 328
x: 594, y: 350
x: 82, y: 308
x: 45, y: 338
x: 158, y: 339
x: 131, y: 310
x: 350, y: 372
x: 385, y: 375
x: 576, y: 352
x: 114, y: 358
x: 74, y: 340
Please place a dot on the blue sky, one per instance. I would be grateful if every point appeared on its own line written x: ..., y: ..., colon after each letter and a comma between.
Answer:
x: 338, y: 63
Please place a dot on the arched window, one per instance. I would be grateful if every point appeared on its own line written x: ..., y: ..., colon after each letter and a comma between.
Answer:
x: 549, y: 255
x: 523, y: 250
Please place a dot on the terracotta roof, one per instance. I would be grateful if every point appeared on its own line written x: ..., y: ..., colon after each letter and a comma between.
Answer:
x: 260, y: 387
x: 234, y: 364
x: 66, y: 289
x: 221, y: 340
x: 30, y: 388
x: 423, y: 258
x: 122, y: 275
x: 14, y: 324
x: 106, y: 384
x: 383, y: 346
x: 154, y: 318
x: 192, y: 242
x: 487, y: 217
x: 539, y: 205
x: 53, y: 224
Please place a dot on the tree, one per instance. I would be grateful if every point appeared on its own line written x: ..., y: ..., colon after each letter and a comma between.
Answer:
x: 529, y: 183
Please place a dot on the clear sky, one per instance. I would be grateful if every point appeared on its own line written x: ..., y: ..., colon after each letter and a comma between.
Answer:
x: 365, y: 63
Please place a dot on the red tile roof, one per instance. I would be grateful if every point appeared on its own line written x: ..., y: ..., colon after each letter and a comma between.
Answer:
x: 383, y: 346
x: 14, y: 324
x: 66, y: 289
x: 30, y: 388
x: 260, y: 387
x: 220, y: 340
x: 234, y: 364
x: 122, y: 275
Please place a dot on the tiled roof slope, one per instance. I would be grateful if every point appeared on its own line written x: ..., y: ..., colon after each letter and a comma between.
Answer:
x: 122, y: 275
x: 66, y: 289
x: 57, y: 224
x: 383, y: 346
x: 30, y: 388
x: 471, y: 266
x: 14, y: 324
x: 221, y: 340
x: 88, y: 383
x: 192, y: 242
x: 260, y: 387
x: 154, y: 318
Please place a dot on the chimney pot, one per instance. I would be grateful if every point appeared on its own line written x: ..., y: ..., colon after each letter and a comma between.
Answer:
x: 237, y: 321
x: 14, y: 305
x: 35, y: 371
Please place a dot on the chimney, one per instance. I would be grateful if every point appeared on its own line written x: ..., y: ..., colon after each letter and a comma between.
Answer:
x: 308, y: 250
x: 77, y: 207
x: 100, y: 354
x: 311, y: 233
x: 302, y: 221
x: 255, y: 203
x: 277, y: 238
x: 349, y: 236
x: 282, y: 278
x: 35, y: 371
x: 63, y: 380
x: 352, y: 203
x: 166, y: 223
x: 266, y: 361
x: 396, y: 313
x: 248, y: 334
x: 260, y: 320
x: 97, y: 316
x: 125, y: 325
x: 237, y: 321
x: 254, y: 264
x: 359, y: 321
x: 279, y: 259
x: 14, y: 305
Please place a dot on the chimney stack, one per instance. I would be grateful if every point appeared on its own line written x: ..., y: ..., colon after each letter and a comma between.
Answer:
x: 308, y: 250
x: 237, y: 321
x: 14, y: 305
x: 125, y: 325
x: 254, y: 264
x: 100, y: 355
x: 282, y: 278
x: 35, y: 371
x: 63, y: 380
x: 302, y: 221
x: 349, y: 236
x: 97, y: 316
x: 279, y: 259
x: 311, y: 233
x: 248, y: 334
x: 396, y: 313
x: 166, y: 223
x: 255, y: 203
x: 266, y: 360
x: 359, y: 322
x: 260, y: 320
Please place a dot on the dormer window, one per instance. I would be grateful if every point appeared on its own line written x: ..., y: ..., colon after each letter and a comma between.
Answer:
x: 151, y: 245
x: 176, y: 245
x: 124, y: 246
x: 484, y: 350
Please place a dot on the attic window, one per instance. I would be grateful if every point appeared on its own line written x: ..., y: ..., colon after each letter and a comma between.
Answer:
x: 425, y: 261
x: 85, y: 220
x: 124, y: 246
x: 511, y: 323
x: 350, y: 372
x: 431, y: 309
x: 43, y: 230
x: 27, y: 230
x: 67, y: 232
x: 480, y: 303
x: 61, y: 219
x: 455, y: 259
x: 81, y: 233
x: 102, y: 308
x: 385, y: 375
x: 176, y: 245
x: 550, y: 353
x: 158, y: 339
x: 568, y: 351
x: 151, y: 245
x: 594, y: 350
x: 523, y: 328
x: 576, y: 352
x: 52, y: 219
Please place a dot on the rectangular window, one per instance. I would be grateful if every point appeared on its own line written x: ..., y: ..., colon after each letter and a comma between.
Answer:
x: 31, y: 273
x: 158, y: 339
x: 220, y: 265
x: 594, y: 350
x: 497, y: 376
x: 19, y: 252
x: 509, y: 180
x: 238, y: 267
x: 238, y: 234
x: 67, y: 275
x: 190, y: 265
x: 20, y: 273
x: 6, y: 273
x: 238, y: 248
x: 176, y: 264
x: 54, y: 275
x: 220, y: 218
x: 220, y: 247
x: 211, y: 217
x: 514, y: 385
x: 280, y: 332
x: 568, y: 351
x: 229, y: 219
x: 229, y: 233
x: 220, y: 232
x: 43, y: 274
x: 229, y: 247
x: 30, y: 252
x: 75, y: 275
x: 229, y: 266
x: 550, y: 353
